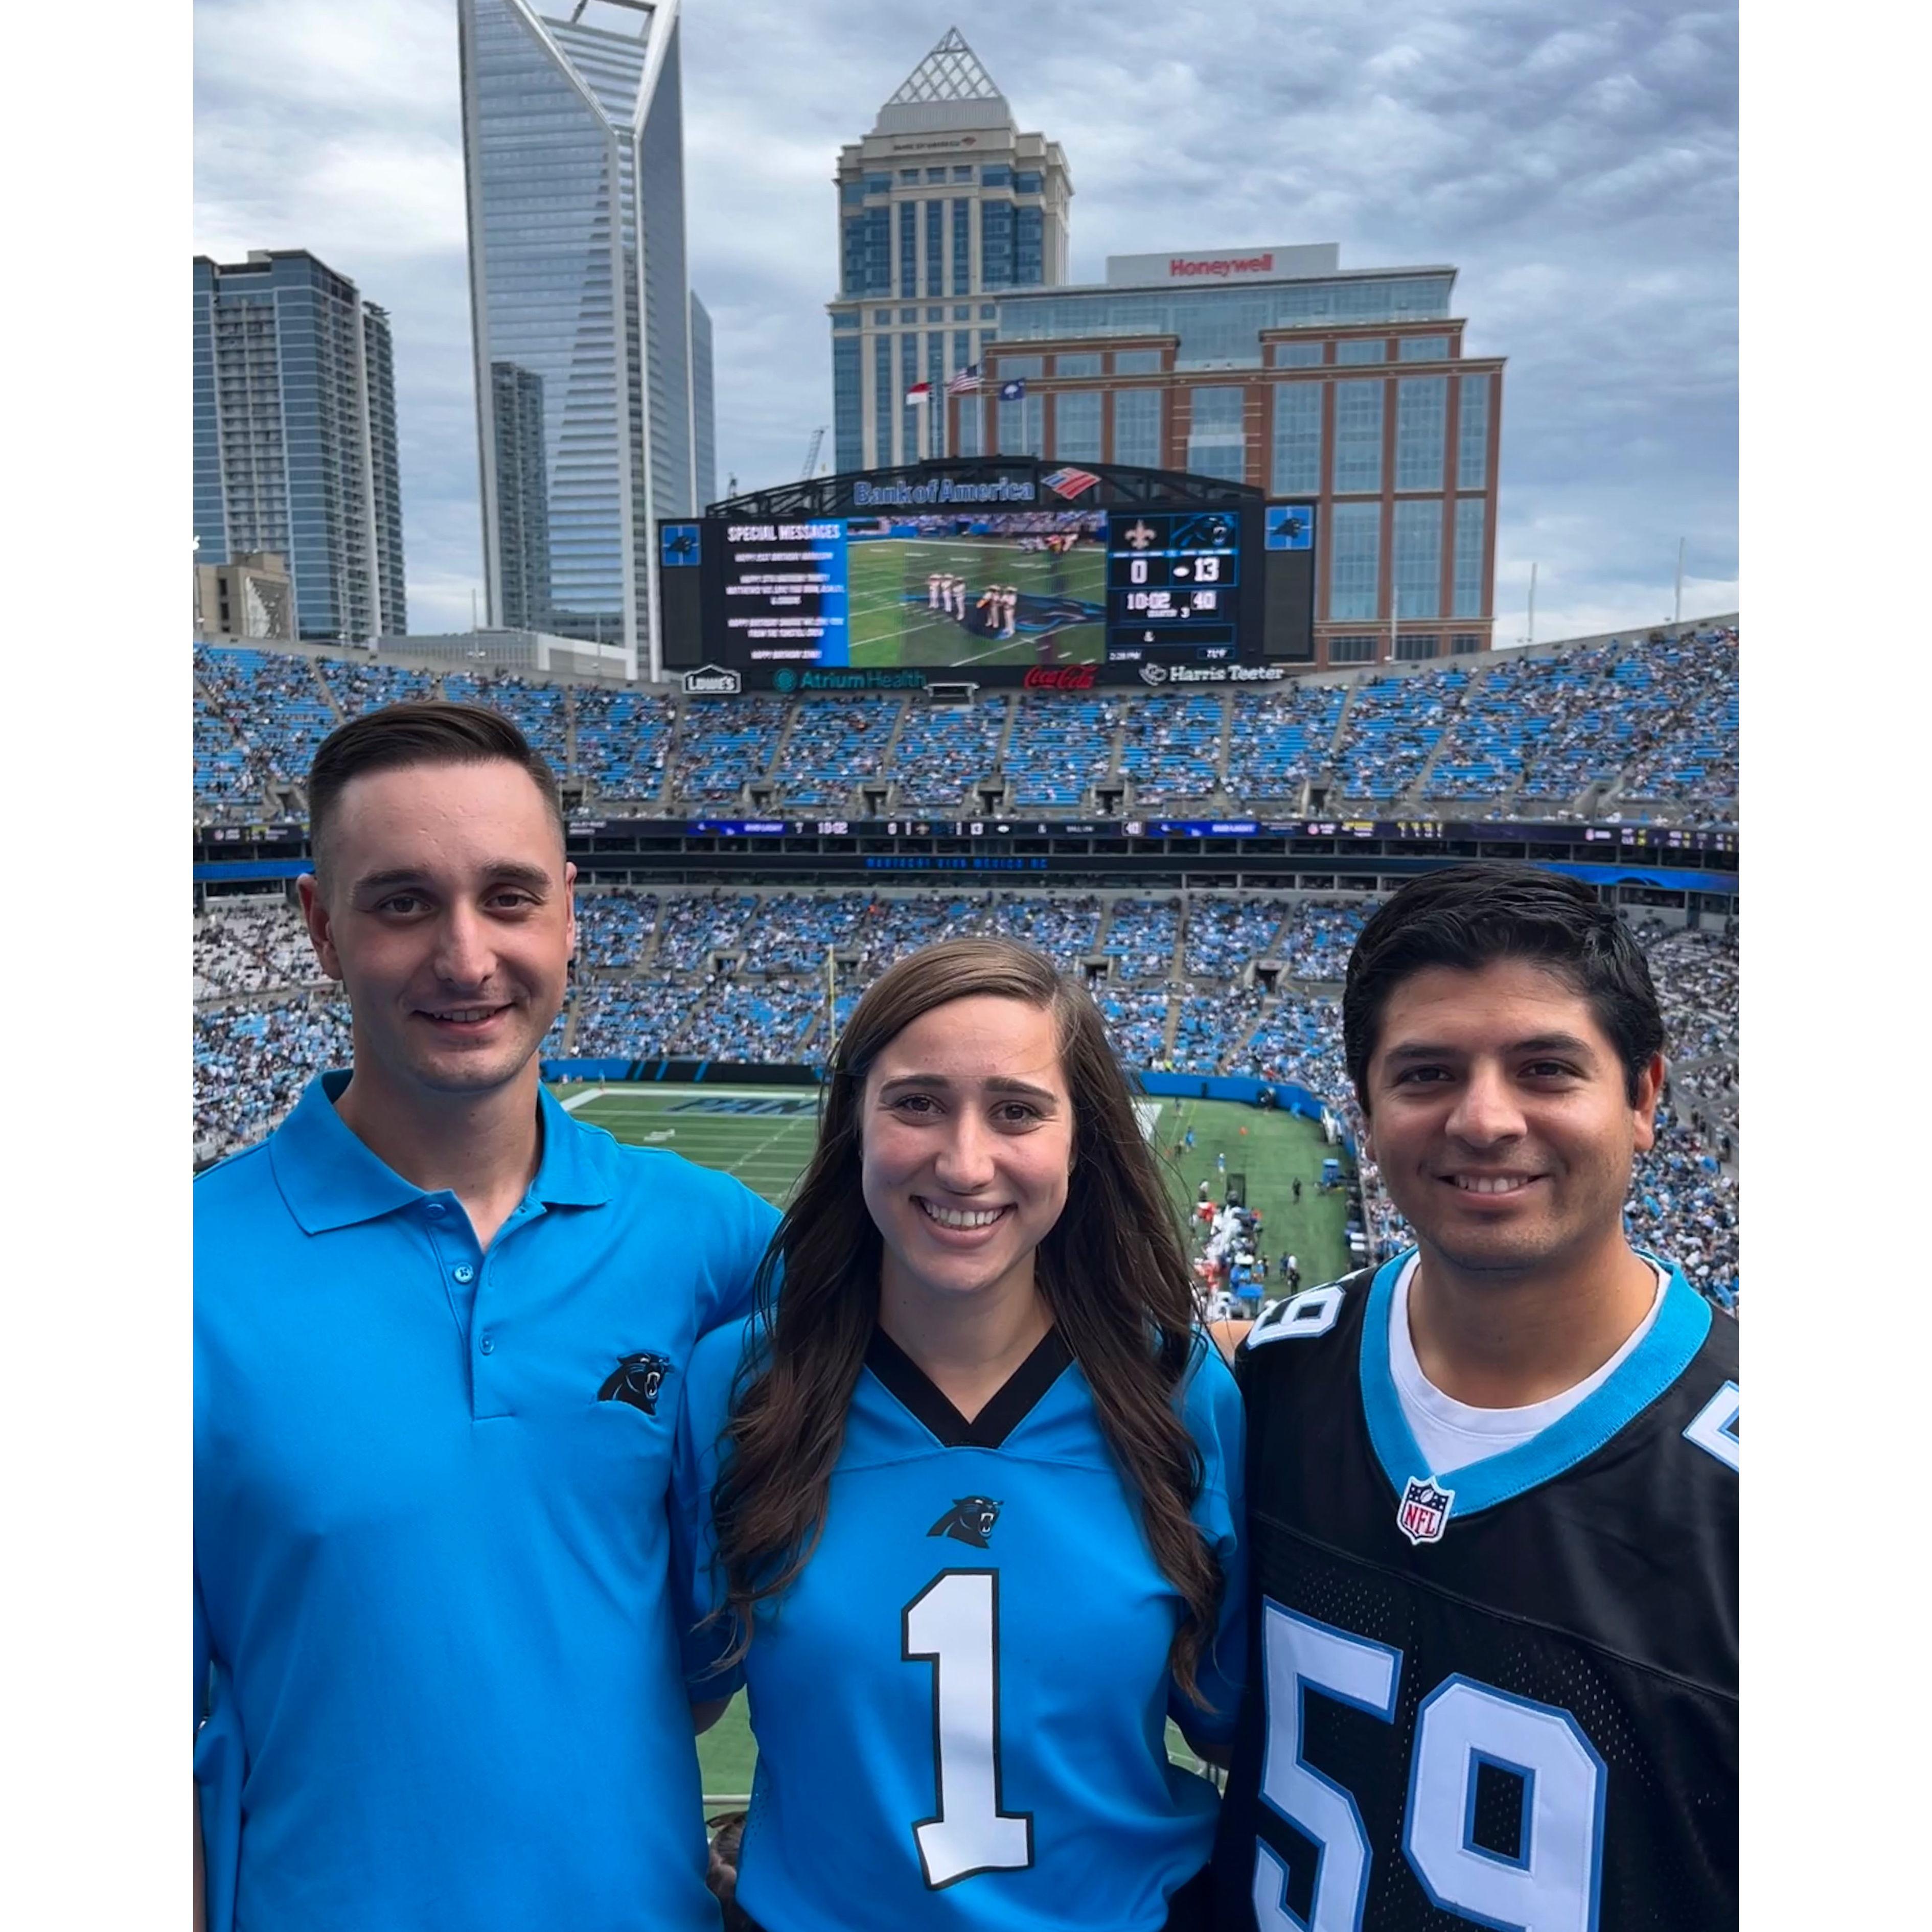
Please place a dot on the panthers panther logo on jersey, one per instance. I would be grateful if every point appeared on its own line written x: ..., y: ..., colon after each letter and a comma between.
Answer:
x: 970, y: 1520
x: 637, y: 1379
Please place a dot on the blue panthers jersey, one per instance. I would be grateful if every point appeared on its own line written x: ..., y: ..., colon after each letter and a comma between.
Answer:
x: 960, y: 1704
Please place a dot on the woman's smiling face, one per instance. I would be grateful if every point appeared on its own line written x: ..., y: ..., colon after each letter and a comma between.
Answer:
x: 967, y: 1139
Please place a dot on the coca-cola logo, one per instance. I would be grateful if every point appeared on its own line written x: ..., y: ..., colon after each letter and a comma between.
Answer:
x: 1059, y: 677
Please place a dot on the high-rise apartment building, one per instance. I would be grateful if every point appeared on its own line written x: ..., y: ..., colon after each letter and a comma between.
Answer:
x: 295, y: 438
x: 586, y: 379
x: 944, y: 205
x: 1350, y: 389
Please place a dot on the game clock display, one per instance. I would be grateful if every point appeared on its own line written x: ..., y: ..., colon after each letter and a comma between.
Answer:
x: 1173, y: 580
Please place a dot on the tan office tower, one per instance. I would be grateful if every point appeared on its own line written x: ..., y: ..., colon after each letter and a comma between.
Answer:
x: 942, y: 205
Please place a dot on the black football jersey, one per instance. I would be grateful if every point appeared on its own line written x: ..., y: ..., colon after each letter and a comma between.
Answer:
x: 1503, y: 1696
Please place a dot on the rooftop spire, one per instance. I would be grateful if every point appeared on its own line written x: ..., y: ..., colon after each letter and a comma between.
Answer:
x: 951, y: 72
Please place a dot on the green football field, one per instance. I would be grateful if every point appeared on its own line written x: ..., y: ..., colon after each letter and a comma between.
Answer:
x: 764, y: 1136
x: 884, y: 629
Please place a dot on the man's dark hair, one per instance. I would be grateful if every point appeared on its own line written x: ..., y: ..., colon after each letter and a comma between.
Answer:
x: 422, y: 732
x: 1468, y: 917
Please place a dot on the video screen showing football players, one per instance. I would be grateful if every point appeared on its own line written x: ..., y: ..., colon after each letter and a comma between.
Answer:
x: 1005, y: 587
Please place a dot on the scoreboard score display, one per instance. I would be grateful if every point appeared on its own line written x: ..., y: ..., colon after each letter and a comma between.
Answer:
x: 991, y: 572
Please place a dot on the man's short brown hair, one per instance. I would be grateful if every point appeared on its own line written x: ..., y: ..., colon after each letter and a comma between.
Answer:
x: 427, y: 733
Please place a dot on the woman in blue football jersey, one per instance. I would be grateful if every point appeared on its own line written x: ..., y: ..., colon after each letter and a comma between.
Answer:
x: 963, y: 1501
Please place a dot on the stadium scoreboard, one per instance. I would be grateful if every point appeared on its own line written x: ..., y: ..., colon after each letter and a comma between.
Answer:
x: 1006, y: 570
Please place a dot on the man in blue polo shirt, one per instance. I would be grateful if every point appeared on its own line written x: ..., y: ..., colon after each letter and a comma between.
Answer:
x: 440, y: 1329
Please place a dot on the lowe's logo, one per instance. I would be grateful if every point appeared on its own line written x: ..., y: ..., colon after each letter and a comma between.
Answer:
x: 712, y: 681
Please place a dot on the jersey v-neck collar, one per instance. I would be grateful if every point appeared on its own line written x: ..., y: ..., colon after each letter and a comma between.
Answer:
x: 1662, y: 1355
x: 1011, y: 1404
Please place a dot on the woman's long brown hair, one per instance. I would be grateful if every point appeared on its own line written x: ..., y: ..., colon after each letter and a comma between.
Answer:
x: 1113, y: 1270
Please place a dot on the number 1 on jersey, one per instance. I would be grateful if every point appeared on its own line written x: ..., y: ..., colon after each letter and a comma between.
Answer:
x: 954, y: 1624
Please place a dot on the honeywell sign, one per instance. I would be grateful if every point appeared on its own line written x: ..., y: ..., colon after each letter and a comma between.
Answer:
x: 1225, y: 264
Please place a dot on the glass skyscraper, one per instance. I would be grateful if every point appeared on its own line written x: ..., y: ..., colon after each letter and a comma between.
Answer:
x: 586, y: 381
x: 945, y: 201
x: 295, y: 438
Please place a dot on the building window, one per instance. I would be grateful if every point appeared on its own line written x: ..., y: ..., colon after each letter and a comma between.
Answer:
x: 935, y: 174
x: 962, y: 174
x: 996, y: 177
x: 1466, y: 593
x: 1362, y: 348
x: 883, y: 413
x: 851, y: 192
x: 1418, y: 557
x: 1010, y: 368
x: 845, y: 319
x: 1462, y: 644
x: 867, y: 240
x: 1472, y: 434
x: 848, y: 406
x: 908, y: 175
x: 882, y: 318
x: 1355, y: 560
x: 996, y: 244
x: 972, y: 425
x: 935, y: 246
x: 962, y: 252
x: 934, y: 411
x: 1421, y: 414
x: 1297, y: 438
x: 1216, y: 444
x: 1076, y: 426
x: 908, y: 249
x: 878, y: 183
x: 1358, y: 436
x: 962, y: 312
x: 1297, y: 355
x: 908, y: 315
x: 1414, y: 650
x: 1029, y: 247
x: 1422, y: 348
x: 1027, y: 183
x: 989, y: 311
x: 912, y: 428
x: 1137, y: 427
x: 1076, y: 365
x: 1137, y: 361
x: 1020, y: 425
x: 1351, y: 650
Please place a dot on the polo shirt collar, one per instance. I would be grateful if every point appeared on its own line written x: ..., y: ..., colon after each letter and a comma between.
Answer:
x: 330, y: 1178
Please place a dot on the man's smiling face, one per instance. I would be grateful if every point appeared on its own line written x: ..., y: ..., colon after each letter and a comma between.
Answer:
x: 442, y: 903
x: 1501, y: 1118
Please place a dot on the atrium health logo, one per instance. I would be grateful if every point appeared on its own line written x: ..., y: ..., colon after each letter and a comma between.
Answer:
x: 784, y: 680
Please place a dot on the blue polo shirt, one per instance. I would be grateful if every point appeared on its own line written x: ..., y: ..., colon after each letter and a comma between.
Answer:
x: 432, y: 1563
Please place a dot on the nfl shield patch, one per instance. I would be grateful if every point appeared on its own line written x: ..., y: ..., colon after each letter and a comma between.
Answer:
x: 1423, y: 1512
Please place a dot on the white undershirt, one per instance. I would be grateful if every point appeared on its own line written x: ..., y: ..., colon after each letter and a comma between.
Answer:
x: 1450, y: 1434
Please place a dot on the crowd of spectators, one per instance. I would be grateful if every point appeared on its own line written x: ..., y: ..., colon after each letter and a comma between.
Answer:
x: 1317, y: 937
x: 252, y: 947
x: 1223, y: 935
x: 1172, y: 750
x: 943, y: 749
x: 1140, y: 937
x: 615, y: 928
x: 251, y: 1063
x: 1651, y: 721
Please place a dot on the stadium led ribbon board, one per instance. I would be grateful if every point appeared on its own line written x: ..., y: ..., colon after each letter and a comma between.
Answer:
x: 1011, y: 571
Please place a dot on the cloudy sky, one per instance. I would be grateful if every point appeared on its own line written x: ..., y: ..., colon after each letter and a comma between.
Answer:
x: 1577, y: 163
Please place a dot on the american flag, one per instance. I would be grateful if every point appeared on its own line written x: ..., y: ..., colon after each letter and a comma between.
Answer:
x: 964, y: 382
x: 1070, y: 482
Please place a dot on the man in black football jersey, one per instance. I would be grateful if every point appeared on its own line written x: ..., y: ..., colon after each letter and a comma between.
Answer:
x: 1492, y: 1483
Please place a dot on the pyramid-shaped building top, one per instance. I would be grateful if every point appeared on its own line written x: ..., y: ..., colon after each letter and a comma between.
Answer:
x: 948, y: 88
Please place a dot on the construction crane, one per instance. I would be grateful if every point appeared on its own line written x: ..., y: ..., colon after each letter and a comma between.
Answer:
x: 817, y: 443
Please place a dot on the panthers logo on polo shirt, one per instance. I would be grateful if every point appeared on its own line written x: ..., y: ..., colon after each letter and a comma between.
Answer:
x: 636, y: 1379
